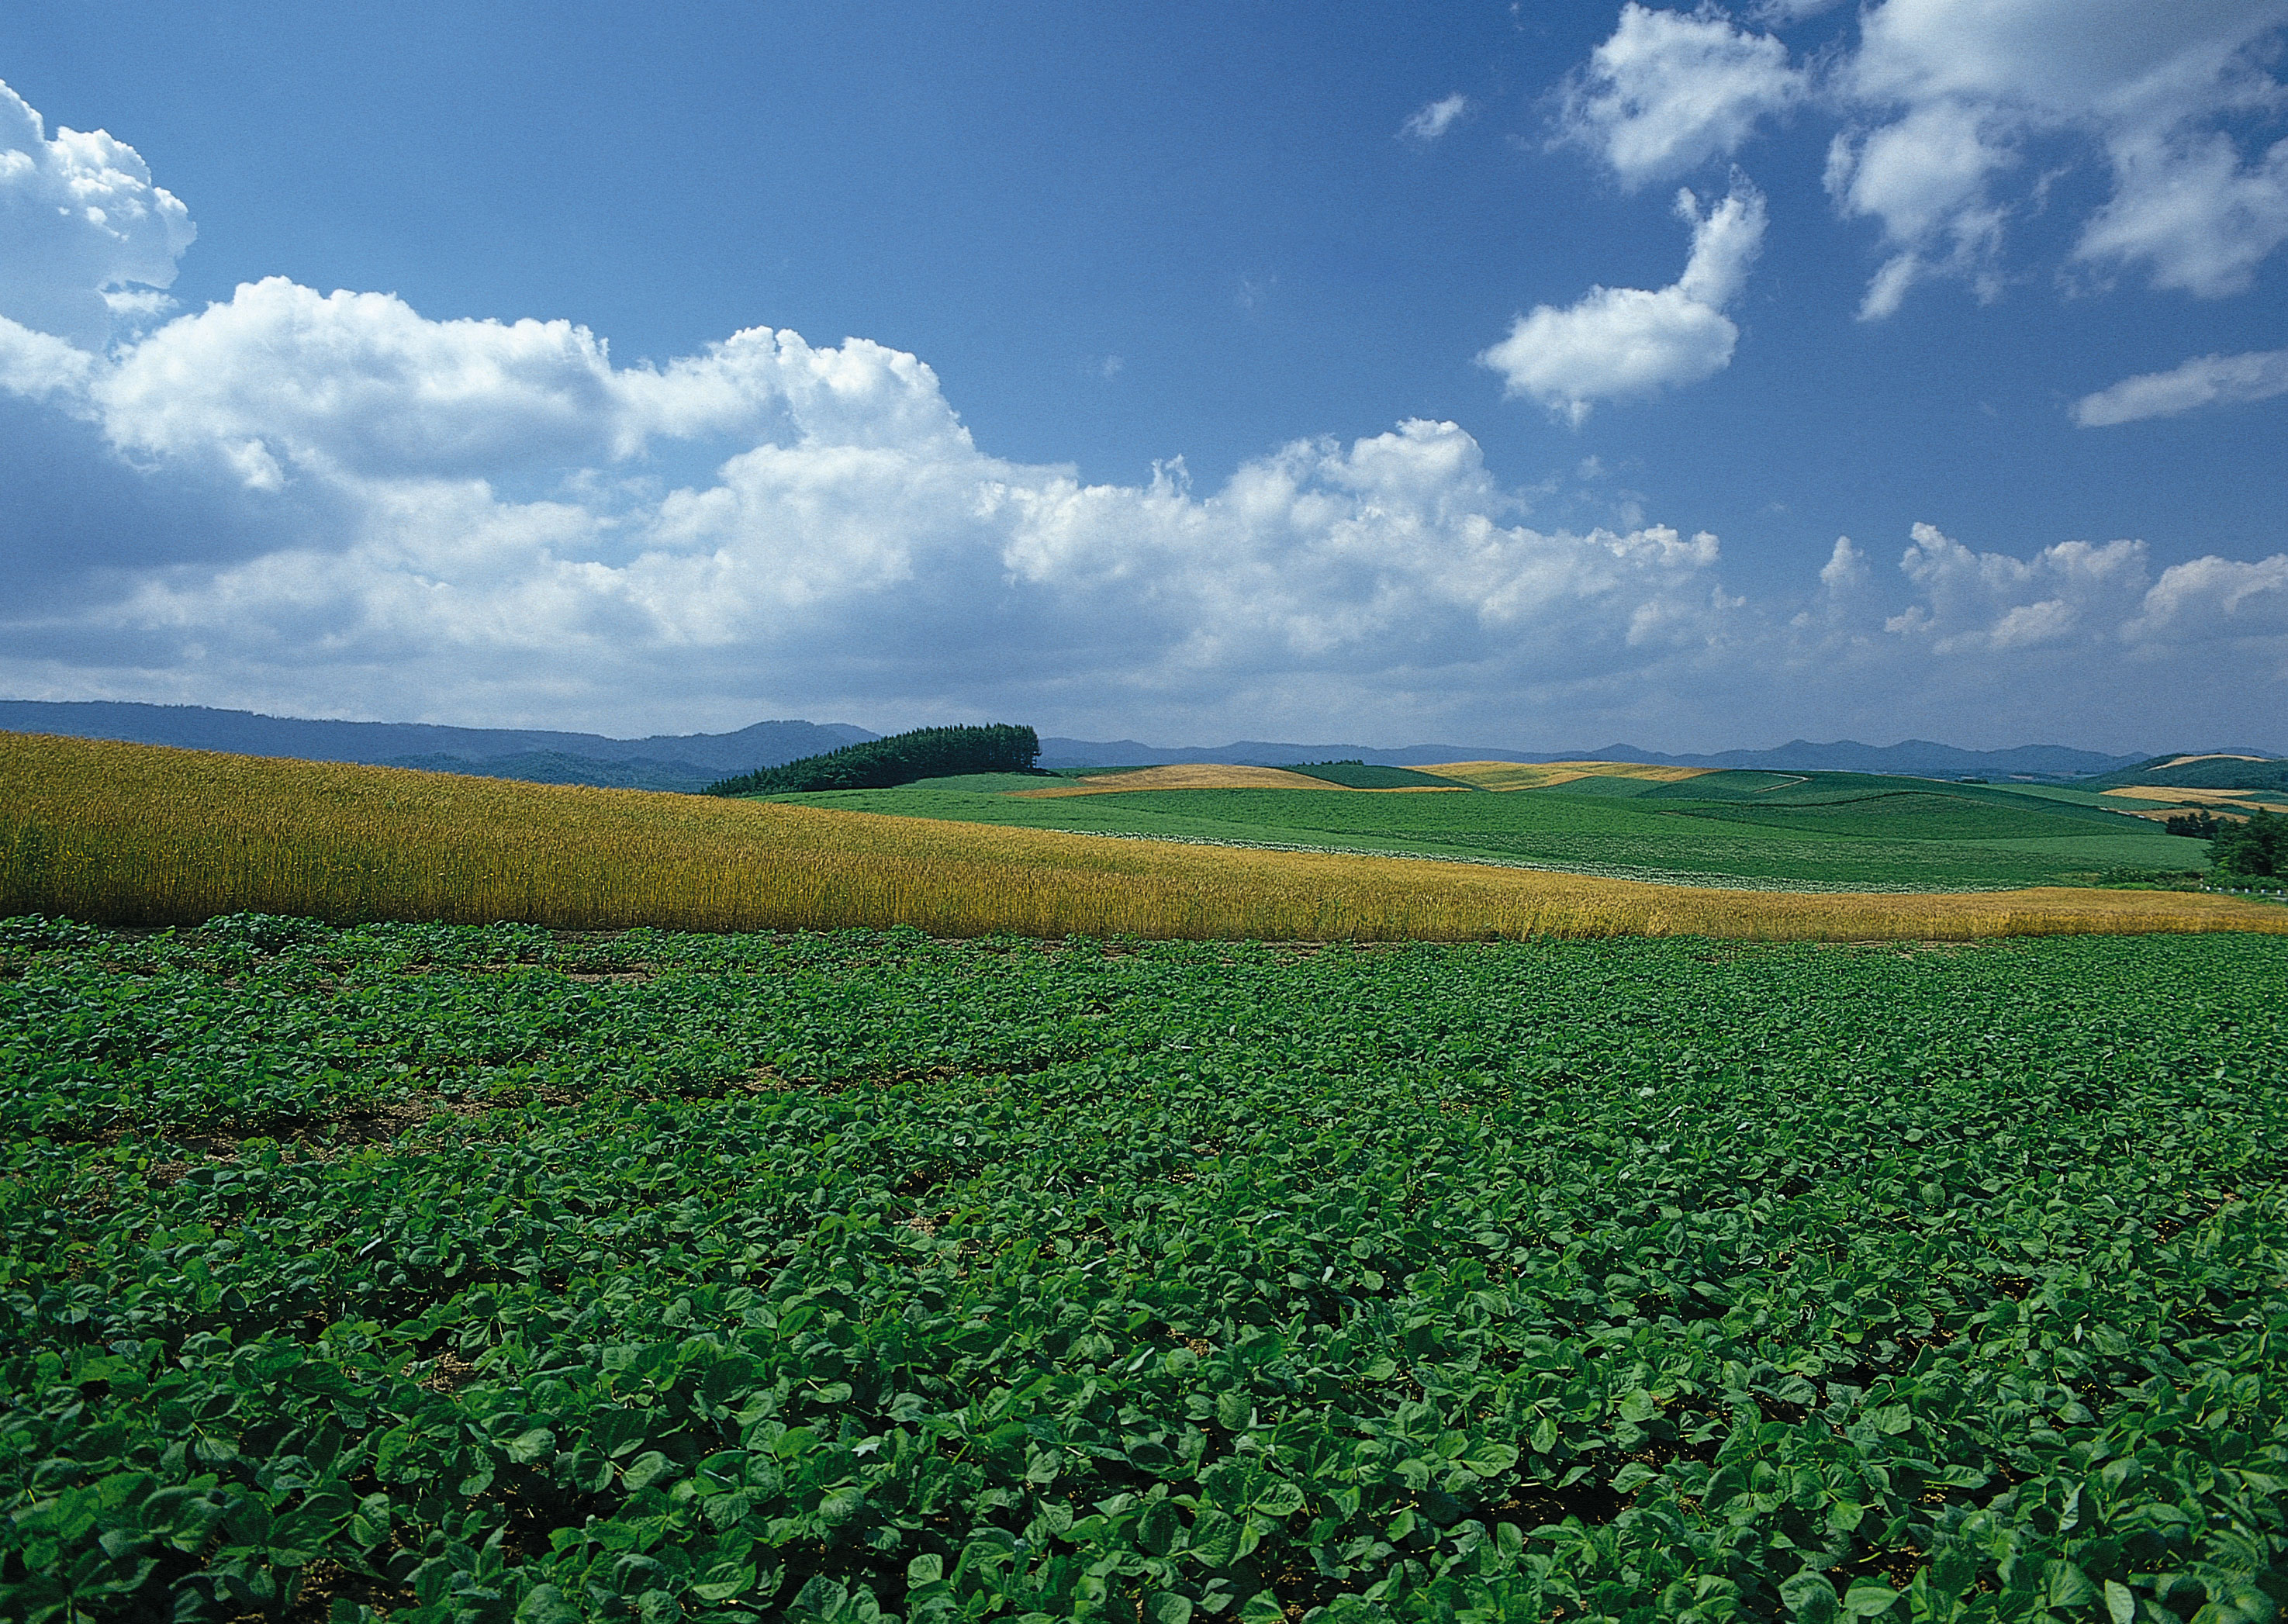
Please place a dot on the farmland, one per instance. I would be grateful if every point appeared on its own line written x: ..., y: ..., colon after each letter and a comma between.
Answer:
x: 1796, y: 831
x: 481, y: 1273
x: 137, y: 835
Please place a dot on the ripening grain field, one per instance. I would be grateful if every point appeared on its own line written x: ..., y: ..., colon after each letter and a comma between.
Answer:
x: 129, y: 834
x: 487, y: 1275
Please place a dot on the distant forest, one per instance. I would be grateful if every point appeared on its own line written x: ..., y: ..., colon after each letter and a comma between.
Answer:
x: 878, y: 764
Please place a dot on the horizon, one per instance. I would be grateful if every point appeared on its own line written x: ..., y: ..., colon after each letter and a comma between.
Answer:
x: 1789, y: 370
x: 1588, y: 752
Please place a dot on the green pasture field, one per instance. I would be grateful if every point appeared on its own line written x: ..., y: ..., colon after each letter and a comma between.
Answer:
x: 1825, y: 830
x: 483, y: 1276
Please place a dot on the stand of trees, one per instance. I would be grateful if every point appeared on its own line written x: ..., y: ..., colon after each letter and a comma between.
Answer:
x: 2257, y: 849
x: 878, y: 763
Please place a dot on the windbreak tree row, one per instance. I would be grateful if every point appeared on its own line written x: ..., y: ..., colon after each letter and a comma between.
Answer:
x: 903, y: 758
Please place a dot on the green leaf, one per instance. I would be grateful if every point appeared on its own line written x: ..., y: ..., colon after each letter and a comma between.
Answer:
x: 534, y: 1444
x: 1490, y: 1460
x: 2064, y: 1585
x: 1167, y: 1607
x: 1156, y: 1529
x: 2120, y: 1602
x: 1809, y: 1596
x: 724, y: 1581
x: 1632, y: 1476
x: 1869, y: 1598
x: 1280, y: 1498
x: 1544, y: 1436
x: 1233, y: 1411
x: 1953, y: 1570
x: 1214, y: 1538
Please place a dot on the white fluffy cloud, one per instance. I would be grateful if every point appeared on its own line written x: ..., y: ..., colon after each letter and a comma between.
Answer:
x: 2212, y: 600
x: 471, y: 525
x: 2074, y: 635
x: 1671, y: 90
x: 1618, y: 343
x: 281, y: 378
x: 2206, y: 380
x: 328, y: 504
x: 84, y: 227
x: 1991, y: 602
x: 2091, y: 603
x: 1946, y: 105
x: 1426, y: 124
x: 1950, y: 93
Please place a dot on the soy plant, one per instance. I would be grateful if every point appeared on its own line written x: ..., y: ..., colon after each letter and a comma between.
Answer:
x: 487, y: 1274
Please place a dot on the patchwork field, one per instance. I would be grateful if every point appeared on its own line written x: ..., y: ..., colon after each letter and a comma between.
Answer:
x: 1822, y: 831
x: 1549, y: 775
x: 138, y: 834
x: 480, y: 1275
x: 2164, y: 801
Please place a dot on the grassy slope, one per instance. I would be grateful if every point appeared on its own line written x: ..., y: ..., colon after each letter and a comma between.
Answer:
x: 2209, y: 773
x: 1825, y: 829
x: 139, y: 834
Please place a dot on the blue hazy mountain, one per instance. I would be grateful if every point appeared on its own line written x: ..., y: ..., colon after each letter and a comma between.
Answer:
x: 690, y: 761
x: 666, y: 761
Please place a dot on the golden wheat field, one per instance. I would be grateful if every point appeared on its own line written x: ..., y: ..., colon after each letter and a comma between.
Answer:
x: 141, y: 835
x: 2176, y: 800
x: 1204, y: 775
x: 1545, y: 775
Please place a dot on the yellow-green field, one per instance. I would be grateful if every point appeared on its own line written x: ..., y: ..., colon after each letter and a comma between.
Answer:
x: 1204, y: 775
x: 141, y: 835
x: 1548, y: 774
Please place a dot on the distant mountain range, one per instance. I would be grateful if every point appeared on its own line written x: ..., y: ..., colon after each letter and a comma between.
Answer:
x: 675, y: 761
x: 691, y: 761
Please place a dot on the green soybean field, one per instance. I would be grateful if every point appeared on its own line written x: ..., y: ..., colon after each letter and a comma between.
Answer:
x: 471, y: 1274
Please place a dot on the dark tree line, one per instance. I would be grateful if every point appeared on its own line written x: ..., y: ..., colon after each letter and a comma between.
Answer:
x: 2256, y: 849
x: 878, y: 763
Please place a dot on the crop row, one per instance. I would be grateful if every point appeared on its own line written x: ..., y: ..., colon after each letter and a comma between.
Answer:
x: 473, y: 1274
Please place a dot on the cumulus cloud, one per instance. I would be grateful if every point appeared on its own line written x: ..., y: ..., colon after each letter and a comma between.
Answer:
x: 2187, y: 208
x: 2206, y: 380
x: 862, y: 547
x: 1618, y: 343
x: 1947, y: 97
x: 1945, y: 102
x: 1427, y: 124
x: 1671, y: 90
x: 397, y: 515
x: 281, y: 378
x: 84, y: 227
x: 330, y: 503
x: 2212, y: 600
x: 1991, y: 602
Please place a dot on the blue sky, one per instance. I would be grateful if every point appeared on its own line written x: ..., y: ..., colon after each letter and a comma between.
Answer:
x: 1279, y: 371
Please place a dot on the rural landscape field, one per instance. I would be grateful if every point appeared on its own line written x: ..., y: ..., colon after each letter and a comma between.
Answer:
x: 1166, y: 813
x: 1167, y: 1229
x: 473, y: 1273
